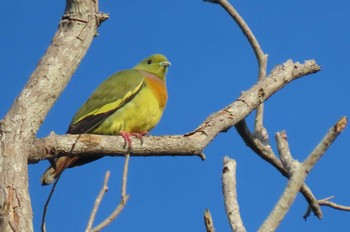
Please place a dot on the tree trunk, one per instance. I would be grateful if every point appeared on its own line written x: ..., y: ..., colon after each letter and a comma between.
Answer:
x: 20, y: 125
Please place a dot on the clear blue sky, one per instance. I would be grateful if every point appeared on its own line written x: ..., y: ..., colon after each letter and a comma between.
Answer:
x: 211, y: 64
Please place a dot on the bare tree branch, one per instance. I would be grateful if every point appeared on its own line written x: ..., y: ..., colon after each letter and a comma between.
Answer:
x: 98, y: 201
x: 298, y: 177
x: 125, y: 175
x: 334, y: 205
x: 122, y: 203
x: 266, y: 153
x: 322, y: 147
x: 326, y: 202
x: 259, y: 142
x: 76, y: 30
x: 230, y: 195
x: 192, y: 143
x: 208, y: 221
x: 245, y: 29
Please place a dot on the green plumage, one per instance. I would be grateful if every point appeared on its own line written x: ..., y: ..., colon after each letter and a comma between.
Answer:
x: 111, y: 95
x: 128, y: 102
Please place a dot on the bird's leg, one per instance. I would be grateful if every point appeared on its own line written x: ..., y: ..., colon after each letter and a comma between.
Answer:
x: 127, y: 139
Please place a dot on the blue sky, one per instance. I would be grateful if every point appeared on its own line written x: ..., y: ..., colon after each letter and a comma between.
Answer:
x: 211, y: 64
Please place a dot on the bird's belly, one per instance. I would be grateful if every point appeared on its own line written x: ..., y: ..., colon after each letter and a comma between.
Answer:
x: 142, y: 113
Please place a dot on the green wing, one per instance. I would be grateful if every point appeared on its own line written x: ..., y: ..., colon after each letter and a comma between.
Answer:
x: 110, y: 96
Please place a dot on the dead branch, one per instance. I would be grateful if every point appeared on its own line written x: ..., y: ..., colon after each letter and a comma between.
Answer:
x: 298, y: 177
x: 259, y: 141
x: 266, y: 153
x: 260, y: 133
x: 230, y: 195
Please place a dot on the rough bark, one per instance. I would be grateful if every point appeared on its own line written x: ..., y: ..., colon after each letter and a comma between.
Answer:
x: 18, y: 128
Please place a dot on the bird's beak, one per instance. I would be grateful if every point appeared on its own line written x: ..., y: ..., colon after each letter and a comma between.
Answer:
x: 164, y: 64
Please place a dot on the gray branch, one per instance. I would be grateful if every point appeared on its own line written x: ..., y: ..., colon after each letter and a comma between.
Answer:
x: 230, y: 195
x: 298, y: 177
x: 266, y: 153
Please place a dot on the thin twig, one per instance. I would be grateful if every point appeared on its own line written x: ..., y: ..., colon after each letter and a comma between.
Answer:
x: 123, y: 201
x: 266, y: 153
x: 259, y: 129
x: 298, y: 178
x: 334, y: 205
x: 98, y: 201
x: 43, y: 225
x: 326, y: 202
x: 244, y: 27
x: 125, y: 174
x: 208, y: 221
x: 230, y: 195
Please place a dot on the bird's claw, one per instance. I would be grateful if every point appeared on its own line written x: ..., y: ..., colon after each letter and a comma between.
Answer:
x: 128, y: 140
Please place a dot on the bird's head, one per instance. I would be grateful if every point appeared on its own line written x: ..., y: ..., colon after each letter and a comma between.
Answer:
x: 156, y: 64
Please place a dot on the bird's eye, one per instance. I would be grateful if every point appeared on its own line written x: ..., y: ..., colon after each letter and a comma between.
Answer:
x: 149, y: 61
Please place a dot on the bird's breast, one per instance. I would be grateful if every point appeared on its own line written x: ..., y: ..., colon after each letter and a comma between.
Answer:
x: 158, y: 87
x: 142, y: 113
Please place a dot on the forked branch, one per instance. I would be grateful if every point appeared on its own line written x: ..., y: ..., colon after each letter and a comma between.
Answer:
x: 118, y: 209
x: 266, y: 153
x: 298, y: 177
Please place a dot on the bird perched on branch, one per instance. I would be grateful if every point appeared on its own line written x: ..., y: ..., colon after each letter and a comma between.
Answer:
x: 128, y: 103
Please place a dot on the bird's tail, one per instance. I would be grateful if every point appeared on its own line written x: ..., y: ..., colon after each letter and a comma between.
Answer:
x: 56, y: 168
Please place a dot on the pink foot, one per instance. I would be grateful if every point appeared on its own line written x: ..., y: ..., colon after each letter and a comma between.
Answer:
x: 127, y: 139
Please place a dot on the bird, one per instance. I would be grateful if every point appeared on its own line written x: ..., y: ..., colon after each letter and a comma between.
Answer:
x: 128, y: 103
